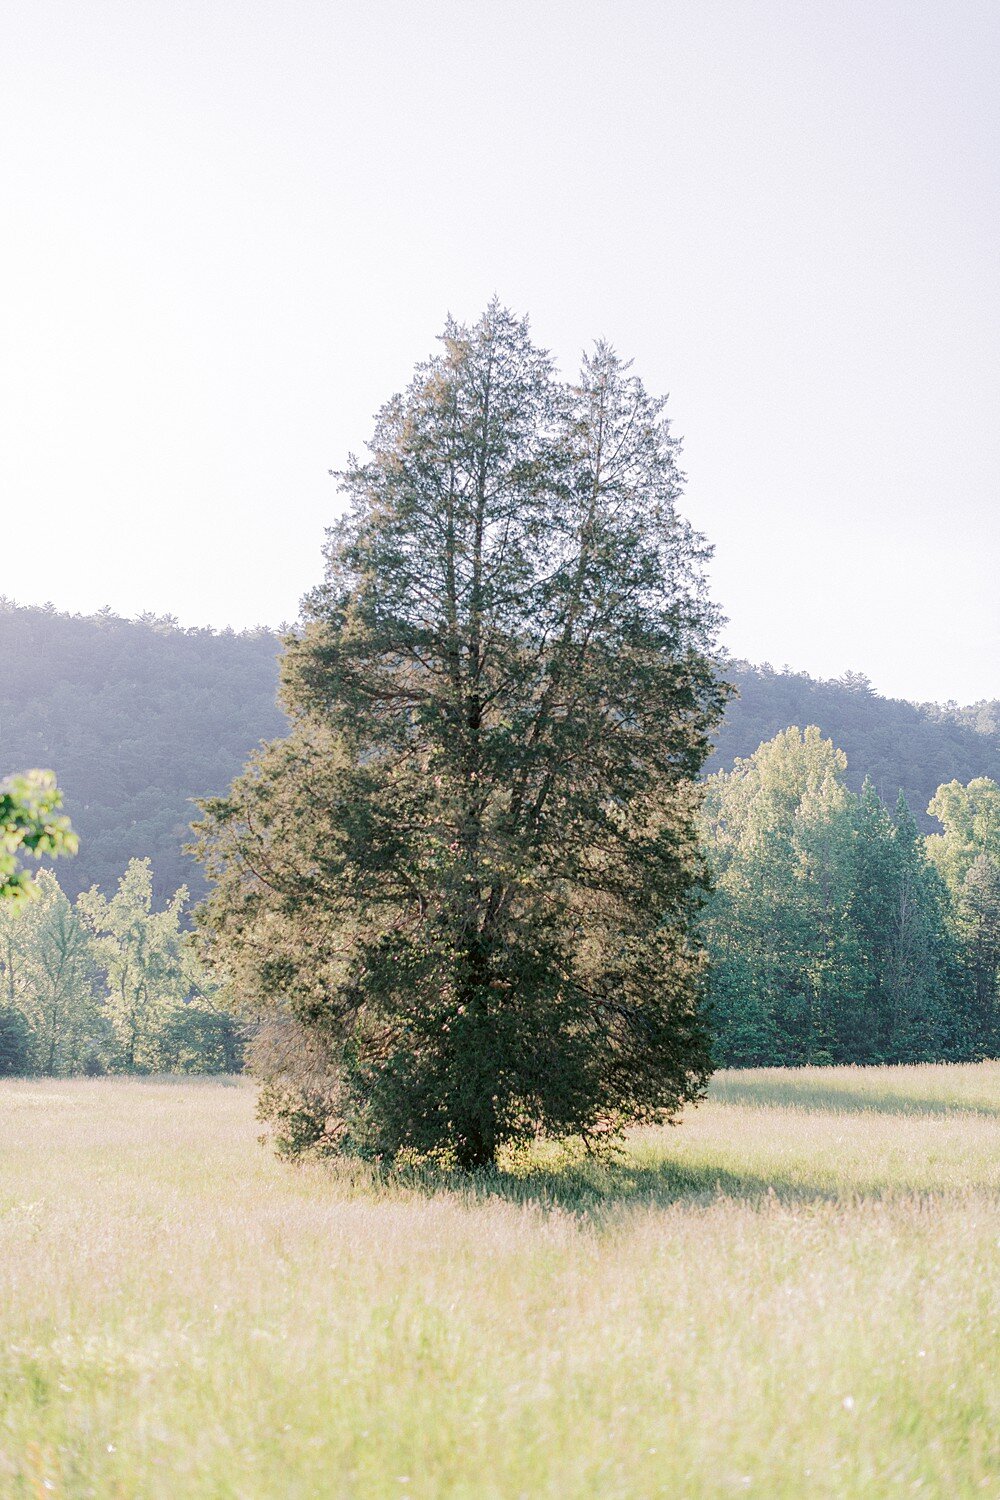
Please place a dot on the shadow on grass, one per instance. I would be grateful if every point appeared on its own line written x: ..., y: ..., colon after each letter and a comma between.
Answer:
x: 812, y: 1099
x: 597, y: 1189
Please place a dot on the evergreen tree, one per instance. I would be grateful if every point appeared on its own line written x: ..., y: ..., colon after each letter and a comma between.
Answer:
x: 15, y: 1043
x: 467, y: 876
x: 918, y: 973
x: 874, y: 914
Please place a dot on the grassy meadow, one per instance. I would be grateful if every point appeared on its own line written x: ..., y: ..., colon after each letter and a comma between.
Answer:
x: 796, y: 1292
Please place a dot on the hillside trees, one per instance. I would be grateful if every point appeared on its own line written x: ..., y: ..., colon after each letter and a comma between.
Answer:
x: 828, y: 928
x: 139, y: 717
x: 896, y: 745
x: 465, y: 879
x: 142, y: 716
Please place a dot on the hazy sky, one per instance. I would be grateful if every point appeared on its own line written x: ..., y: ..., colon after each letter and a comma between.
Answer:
x: 232, y: 226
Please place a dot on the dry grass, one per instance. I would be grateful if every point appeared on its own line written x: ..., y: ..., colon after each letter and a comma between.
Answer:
x: 795, y: 1293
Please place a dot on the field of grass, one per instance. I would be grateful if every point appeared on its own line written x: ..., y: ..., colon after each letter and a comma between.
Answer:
x: 796, y: 1292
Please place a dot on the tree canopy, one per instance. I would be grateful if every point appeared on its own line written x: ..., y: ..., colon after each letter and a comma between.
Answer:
x: 896, y: 745
x: 108, y: 984
x: 832, y: 935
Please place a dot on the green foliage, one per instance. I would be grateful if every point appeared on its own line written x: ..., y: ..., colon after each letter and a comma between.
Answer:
x: 15, y: 1043
x: 971, y: 818
x: 47, y: 973
x: 468, y: 873
x: 778, y: 831
x: 30, y: 823
x: 892, y: 743
x: 912, y: 989
x: 978, y: 923
x: 140, y: 953
x: 828, y: 929
x: 197, y: 1038
x: 967, y: 857
x: 108, y: 984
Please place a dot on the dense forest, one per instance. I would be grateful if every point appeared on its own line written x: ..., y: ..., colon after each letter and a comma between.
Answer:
x: 898, y: 746
x: 837, y: 933
x: 138, y: 717
x: 108, y: 983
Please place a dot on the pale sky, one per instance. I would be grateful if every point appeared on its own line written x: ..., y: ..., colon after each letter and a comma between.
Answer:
x: 231, y: 227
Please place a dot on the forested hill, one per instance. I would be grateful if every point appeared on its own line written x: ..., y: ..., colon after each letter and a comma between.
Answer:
x: 137, y: 717
x: 902, y: 746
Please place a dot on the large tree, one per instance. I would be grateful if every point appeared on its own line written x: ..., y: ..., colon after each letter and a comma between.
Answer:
x: 464, y: 881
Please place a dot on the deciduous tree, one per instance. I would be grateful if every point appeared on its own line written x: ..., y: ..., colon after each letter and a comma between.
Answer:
x: 786, y: 966
x: 47, y: 974
x: 970, y: 816
x: 140, y: 952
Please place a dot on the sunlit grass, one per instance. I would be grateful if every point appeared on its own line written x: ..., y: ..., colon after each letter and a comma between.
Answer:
x: 796, y: 1292
x: 918, y: 1090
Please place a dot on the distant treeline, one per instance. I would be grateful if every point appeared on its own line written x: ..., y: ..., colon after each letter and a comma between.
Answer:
x: 837, y: 933
x: 138, y: 717
x: 898, y: 746
x: 108, y: 983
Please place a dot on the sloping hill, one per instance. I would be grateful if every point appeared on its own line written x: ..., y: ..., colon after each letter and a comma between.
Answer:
x: 137, y: 717
x: 900, y: 745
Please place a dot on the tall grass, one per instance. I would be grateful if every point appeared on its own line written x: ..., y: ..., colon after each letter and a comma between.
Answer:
x: 796, y: 1292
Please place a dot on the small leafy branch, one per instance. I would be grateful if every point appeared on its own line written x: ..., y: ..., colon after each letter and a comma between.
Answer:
x: 30, y: 823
